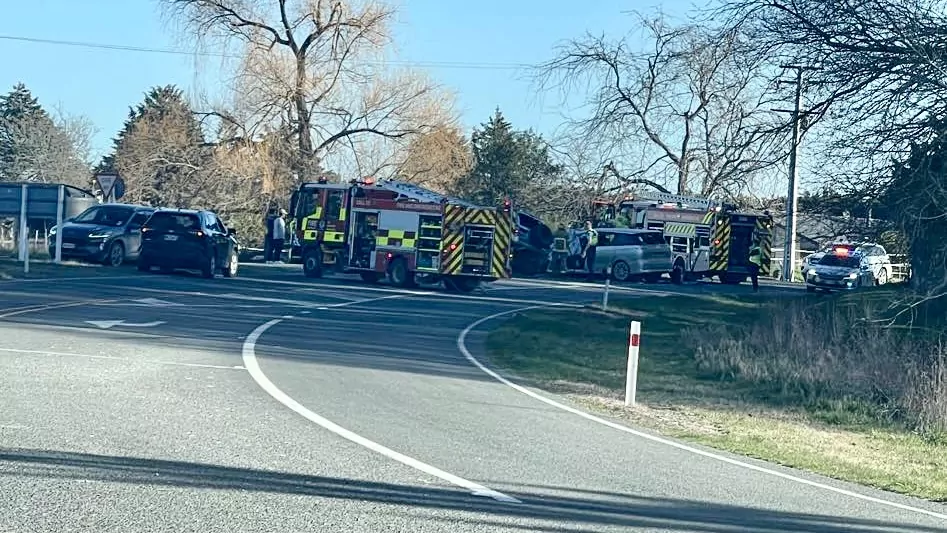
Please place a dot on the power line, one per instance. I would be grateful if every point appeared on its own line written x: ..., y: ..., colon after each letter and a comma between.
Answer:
x: 143, y: 49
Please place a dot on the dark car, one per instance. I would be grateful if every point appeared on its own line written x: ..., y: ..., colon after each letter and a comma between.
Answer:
x: 188, y: 240
x: 107, y: 233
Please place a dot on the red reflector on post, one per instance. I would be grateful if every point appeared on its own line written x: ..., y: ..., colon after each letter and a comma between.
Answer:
x: 635, y: 339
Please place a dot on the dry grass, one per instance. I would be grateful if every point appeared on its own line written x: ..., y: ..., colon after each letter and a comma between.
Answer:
x: 806, y: 382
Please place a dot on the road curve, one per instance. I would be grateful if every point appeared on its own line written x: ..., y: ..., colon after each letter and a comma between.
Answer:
x: 156, y: 424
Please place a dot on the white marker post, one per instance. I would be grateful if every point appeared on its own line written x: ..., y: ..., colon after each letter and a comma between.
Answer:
x: 59, y: 215
x: 608, y: 283
x: 631, y: 380
x: 24, y: 230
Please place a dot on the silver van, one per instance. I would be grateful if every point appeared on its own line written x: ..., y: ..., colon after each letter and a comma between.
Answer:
x: 631, y: 253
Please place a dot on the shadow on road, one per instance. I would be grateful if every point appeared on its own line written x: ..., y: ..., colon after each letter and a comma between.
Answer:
x: 567, y: 512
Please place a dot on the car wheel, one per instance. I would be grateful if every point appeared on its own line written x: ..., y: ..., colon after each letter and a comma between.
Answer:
x: 621, y: 271
x: 210, y: 265
x: 230, y: 271
x: 116, y: 254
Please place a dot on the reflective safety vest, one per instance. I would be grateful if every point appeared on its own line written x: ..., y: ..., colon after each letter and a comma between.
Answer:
x: 756, y: 256
x: 593, y: 237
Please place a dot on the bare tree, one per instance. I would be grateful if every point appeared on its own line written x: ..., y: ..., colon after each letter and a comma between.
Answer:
x: 164, y: 162
x: 307, y: 64
x: 437, y: 159
x: 691, y: 104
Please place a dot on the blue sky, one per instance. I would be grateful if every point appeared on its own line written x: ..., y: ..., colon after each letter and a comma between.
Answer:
x: 492, y: 34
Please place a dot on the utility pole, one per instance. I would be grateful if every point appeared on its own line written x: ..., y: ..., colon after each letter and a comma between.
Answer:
x: 792, y: 196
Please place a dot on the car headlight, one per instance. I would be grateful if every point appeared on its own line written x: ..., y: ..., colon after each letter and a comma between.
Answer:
x: 52, y: 231
x: 853, y: 275
x: 99, y: 235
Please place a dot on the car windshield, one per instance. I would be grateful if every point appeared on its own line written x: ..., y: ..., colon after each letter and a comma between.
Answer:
x: 173, y: 221
x: 848, y: 261
x: 105, y: 215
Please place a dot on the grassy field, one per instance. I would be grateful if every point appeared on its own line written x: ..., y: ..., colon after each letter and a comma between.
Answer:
x: 701, y: 380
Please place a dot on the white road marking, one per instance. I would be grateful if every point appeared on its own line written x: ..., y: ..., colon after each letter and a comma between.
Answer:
x: 50, y: 307
x: 462, y: 346
x: 157, y: 303
x: 106, y: 324
x: 83, y: 278
x: 250, y: 362
x: 123, y: 359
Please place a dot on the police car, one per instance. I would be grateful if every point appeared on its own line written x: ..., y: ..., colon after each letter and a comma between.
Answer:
x: 842, y: 268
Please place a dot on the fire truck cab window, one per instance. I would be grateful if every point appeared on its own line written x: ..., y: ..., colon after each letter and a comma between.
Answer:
x: 307, y: 202
x: 334, y: 205
x: 678, y: 244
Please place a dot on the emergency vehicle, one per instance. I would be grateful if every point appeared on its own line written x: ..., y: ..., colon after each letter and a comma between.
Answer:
x: 402, y: 231
x: 707, y: 238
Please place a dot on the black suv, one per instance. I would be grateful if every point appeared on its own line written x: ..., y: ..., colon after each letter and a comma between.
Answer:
x: 107, y: 233
x: 188, y: 240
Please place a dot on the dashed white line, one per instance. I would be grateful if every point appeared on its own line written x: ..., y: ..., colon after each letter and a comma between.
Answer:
x: 250, y: 362
x: 462, y: 346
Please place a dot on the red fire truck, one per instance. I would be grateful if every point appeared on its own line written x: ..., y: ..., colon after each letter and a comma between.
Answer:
x: 401, y: 231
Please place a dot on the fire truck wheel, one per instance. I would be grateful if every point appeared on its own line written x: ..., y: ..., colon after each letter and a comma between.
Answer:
x: 399, y: 275
x: 312, y: 264
x: 621, y: 271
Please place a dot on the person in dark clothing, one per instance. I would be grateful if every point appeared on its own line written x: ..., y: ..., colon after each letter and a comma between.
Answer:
x: 268, y: 239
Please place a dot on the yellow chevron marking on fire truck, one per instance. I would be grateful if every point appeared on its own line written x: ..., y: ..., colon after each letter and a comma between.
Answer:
x: 709, y: 217
x: 396, y: 238
x: 502, y: 242
x: 680, y: 229
x: 452, y: 251
x: 720, y: 253
x: 763, y: 228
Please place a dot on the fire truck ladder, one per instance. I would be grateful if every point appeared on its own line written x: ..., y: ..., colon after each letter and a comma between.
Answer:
x: 690, y: 201
x: 415, y: 192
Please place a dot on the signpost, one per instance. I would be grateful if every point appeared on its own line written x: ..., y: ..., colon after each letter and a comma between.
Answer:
x: 631, y: 379
x: 111, y: 185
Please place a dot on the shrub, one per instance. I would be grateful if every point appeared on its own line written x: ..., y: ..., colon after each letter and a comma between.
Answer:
x: 837, y: 349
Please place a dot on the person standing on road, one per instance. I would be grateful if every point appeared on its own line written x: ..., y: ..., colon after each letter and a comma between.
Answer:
x: 756, y: 262
x: 268, y: 238
x: 279, y: 237
x: 588, y: 252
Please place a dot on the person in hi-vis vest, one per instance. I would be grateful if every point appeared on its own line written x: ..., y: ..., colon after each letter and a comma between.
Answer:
x: 588, y: 252
x: 756, y: 261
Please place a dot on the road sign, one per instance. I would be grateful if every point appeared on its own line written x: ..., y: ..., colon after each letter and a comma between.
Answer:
x: 118, y: 189
x: 111, y: 185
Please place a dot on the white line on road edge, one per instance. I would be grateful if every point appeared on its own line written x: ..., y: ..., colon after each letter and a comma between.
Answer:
x: 250, y: 362
x: 50, y: 307
x: 462, y: 346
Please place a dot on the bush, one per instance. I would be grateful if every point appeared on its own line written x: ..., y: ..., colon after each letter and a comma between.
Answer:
x: 844, y: 351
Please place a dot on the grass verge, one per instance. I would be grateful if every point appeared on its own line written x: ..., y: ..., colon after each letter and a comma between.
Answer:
x: 722, y: 371
x: 11, y: 269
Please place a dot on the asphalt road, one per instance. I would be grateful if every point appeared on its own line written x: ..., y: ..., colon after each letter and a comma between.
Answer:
x: 275, y: 403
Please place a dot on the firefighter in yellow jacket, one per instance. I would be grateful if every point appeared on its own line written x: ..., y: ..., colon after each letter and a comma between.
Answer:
x: 756, y: 262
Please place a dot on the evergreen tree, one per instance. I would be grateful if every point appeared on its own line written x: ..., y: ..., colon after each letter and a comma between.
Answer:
x: 160, y: 150
x: 17, y: 108
x: 507, y: 164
